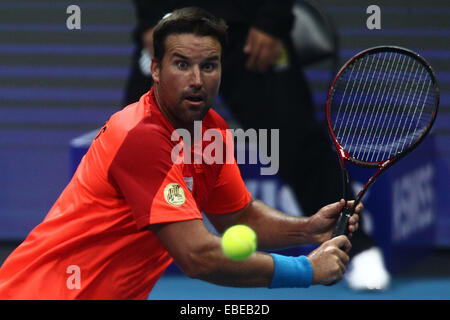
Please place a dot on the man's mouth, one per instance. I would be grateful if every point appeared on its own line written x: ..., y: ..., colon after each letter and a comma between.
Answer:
x: 194, y: 99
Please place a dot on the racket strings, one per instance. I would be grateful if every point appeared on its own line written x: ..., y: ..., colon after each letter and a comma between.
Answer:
x: 381, y: 105
x: 370, y: 133
x: 394, y: 115
x: 362, y: 104
x: 413, y: 115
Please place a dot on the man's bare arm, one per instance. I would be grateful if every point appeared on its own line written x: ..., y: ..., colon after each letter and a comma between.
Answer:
x: 199, y: 255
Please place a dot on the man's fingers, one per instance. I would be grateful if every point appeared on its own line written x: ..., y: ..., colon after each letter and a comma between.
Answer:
x: 268, y: 56
x: 248, y: 45
x: 354, y: 220
x: 343, y: 257
x: 343, y: 243
x: 253, y: 55
x: 359, y: 206
x: 251, y: 61
x: 341, y: 265
x: 249, y: 42
x: 329, y: 260
x: 263, y: 61
x: 352, y: 228
x: 262, y: 50
x: 334, y: 209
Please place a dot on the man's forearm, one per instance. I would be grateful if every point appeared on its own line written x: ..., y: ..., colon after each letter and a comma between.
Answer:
x: 275, y: 229
x: 259, y: 270
x: 256, y: 271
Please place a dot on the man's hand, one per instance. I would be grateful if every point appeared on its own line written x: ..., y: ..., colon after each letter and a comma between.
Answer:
x: 328, y: 261
x: 321, y: 225
x: 263, y: 50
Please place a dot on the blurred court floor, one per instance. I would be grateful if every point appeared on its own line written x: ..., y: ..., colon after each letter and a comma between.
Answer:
x: 428, y: 279
x: 402, y: 288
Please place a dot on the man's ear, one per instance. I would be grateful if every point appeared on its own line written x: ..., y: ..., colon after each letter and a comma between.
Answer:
x: 155, y: 67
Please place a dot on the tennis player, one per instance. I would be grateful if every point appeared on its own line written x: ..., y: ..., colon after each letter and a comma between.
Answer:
x: 129, y: 210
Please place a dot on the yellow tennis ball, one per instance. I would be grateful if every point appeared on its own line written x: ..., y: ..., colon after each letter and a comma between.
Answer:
x: 239, y: 242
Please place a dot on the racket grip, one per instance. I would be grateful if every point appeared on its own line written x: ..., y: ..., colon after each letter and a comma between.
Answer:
x: 342, y: 223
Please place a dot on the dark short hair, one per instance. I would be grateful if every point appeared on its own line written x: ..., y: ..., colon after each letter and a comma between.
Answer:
x: 188, y: 20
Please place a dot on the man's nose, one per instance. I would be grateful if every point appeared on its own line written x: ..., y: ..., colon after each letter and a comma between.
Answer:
x: 196, y: 77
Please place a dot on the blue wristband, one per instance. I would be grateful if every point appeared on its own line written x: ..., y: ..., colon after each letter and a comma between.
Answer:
x: 291, y: 272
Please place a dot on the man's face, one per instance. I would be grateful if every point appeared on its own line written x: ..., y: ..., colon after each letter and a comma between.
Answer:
x: 187, y: 80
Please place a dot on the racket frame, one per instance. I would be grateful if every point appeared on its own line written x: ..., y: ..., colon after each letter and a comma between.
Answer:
x: 341, y: 226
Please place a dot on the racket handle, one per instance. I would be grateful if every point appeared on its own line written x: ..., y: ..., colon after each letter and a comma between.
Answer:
x: 342, y: 223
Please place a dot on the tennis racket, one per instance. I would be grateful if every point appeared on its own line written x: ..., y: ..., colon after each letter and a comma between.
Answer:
x: 381, y: 105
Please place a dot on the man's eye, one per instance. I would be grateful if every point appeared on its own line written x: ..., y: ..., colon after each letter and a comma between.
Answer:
x: 182, y: 64
x: 209, y: 66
